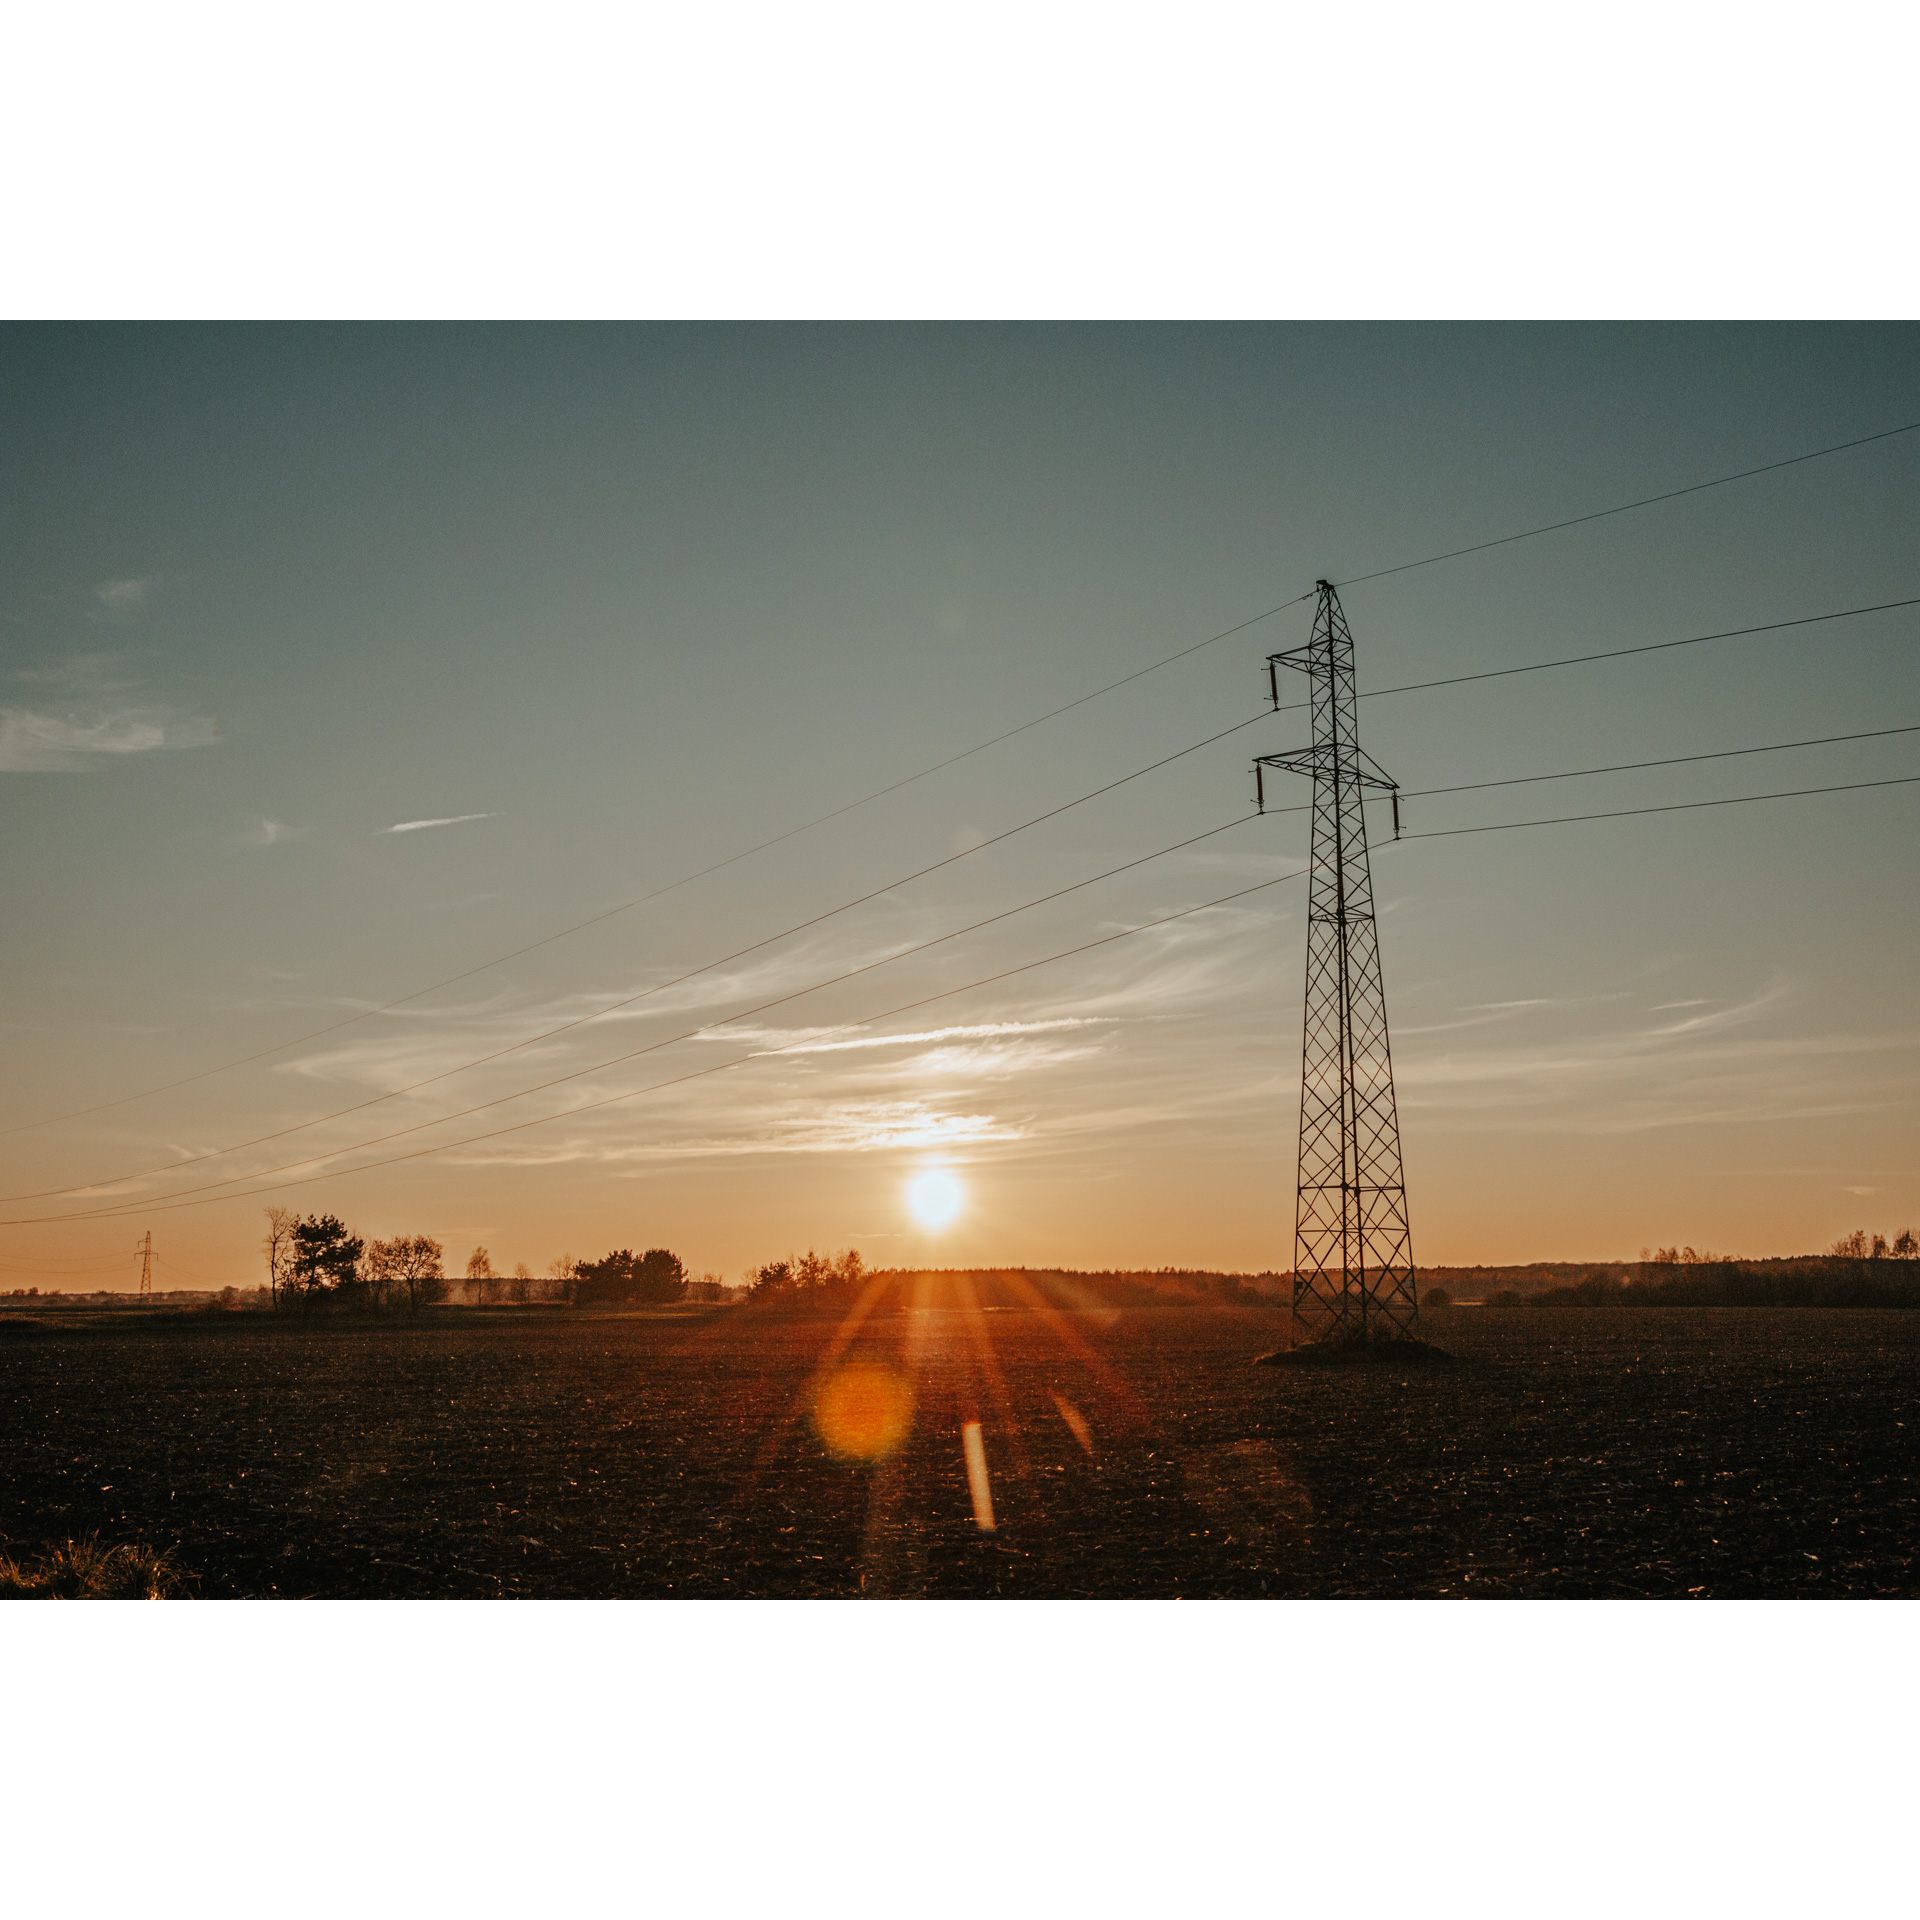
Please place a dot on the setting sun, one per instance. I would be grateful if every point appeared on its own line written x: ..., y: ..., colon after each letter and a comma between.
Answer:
x: 935, y: 1197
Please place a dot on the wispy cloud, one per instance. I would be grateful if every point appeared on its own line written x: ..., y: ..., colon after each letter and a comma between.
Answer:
x: 860, y: 1089
x: 991, y: 1030
x: 1649, y: 1073
x: 850, y: 1127
x: 123, y: 596
x: 1737, y: 1014
x: 452, y: 820
x: 86, y: 711
x: 50, y: 743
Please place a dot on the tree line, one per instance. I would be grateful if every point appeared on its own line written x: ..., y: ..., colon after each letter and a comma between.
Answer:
x: 1820, y: 1280
x: 318, y: 1264
x: 812, y: 1278
x: 1857, y: 1245
x: 1860, y: 1245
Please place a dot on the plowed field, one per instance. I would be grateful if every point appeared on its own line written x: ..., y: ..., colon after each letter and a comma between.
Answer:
x: 1657, y: 1452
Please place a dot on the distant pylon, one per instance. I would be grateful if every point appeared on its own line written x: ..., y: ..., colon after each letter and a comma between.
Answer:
x: 1352, y: 1247
x: 145, y: 1250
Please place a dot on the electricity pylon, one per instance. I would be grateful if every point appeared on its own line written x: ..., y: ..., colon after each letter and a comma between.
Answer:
x: 145, y: 1250
x: 1352, y: 1247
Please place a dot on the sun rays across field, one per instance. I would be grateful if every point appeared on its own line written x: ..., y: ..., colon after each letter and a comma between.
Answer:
x: 907, y: 1393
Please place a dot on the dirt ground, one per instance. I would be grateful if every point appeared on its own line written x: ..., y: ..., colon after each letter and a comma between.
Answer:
x: 1719, y: 1452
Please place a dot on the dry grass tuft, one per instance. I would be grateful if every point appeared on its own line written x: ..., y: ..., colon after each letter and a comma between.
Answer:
x: 85, y: 1570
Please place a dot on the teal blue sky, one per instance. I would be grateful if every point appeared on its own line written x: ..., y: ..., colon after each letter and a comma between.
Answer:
x: 614, y: 603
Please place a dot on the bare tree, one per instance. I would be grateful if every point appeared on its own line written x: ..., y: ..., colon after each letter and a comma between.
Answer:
x: 563, y: 1277
x: 479, y: 1275
x: 710, y: 1286
x: 420, y: 1271
x: 522, y: 1284
x: 278, y: 1247
x: 407, y: 1265
x: 377, y: 1273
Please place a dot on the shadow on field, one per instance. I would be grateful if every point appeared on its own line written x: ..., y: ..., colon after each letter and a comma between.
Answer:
x: 1386, y: 1355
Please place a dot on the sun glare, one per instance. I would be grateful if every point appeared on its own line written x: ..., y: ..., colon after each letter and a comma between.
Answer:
x: 863, y: 1411
x: 935, y: 1197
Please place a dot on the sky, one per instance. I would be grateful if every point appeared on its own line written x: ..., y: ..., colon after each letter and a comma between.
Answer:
x: 340, y: 661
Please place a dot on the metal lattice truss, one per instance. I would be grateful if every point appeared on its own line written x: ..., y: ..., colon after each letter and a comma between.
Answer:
x: 1353, y: 1249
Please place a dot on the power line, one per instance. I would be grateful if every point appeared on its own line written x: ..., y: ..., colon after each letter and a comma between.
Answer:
x: 664, y: 986
x: 580, y: 926
x: 81, y: 1270
x: 1675, y: 806
x: 180, y: 1201
x: 1038, y: 819
x: 732, y: 1019
x: 1651, y: 500
x: 626, y: 906
x: 1620, y: 653
x: 1639, y: 766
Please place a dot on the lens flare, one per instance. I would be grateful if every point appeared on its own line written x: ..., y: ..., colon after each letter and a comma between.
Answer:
x: 935, y: 1197
x: 863, y: 1411
x: 978, y: 1484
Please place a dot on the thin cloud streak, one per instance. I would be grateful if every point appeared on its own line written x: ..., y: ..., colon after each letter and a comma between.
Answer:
x: 451, y: 820
x: 991, y: 1031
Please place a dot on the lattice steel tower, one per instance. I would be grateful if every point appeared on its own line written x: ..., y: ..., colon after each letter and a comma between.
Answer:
x: 1352, y: 1247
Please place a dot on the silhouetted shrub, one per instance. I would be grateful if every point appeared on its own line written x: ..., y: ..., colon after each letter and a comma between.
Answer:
x: 85, y: 1570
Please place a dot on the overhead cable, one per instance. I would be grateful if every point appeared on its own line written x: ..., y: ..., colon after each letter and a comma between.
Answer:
x: 1023, y: 826
x: 1674, y: 806
x: 1630, y: 506
x: 176, y: 1202
x: 580, y: 926
x: 693, y: 973
x: 1620, y: 653
x: 639, y: 900
x: 1640, y: 766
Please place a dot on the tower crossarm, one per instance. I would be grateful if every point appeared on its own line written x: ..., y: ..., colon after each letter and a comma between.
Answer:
x: 1310, y: 658
x: 1326, y: 760
x: 1329, y: 763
